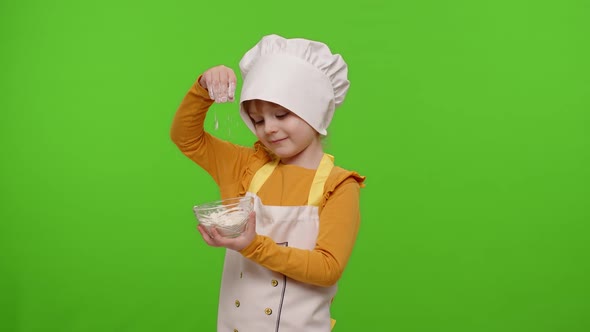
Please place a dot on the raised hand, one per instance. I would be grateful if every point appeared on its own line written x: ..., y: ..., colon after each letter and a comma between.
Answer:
x: 220, y: 81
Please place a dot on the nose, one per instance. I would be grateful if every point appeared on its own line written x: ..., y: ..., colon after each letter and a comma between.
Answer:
x: 270, y: 126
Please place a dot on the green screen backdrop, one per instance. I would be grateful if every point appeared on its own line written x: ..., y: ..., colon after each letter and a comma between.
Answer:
x: 469, y: 119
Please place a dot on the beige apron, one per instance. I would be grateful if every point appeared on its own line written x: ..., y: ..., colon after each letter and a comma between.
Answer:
x: 256, y: 299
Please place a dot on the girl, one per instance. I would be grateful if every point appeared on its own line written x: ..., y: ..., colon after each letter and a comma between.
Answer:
x: 281, y: 274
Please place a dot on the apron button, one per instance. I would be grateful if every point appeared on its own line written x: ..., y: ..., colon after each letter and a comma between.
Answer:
x: 237, y: 303
x: 274, y: 283
x: 235, y: 330
x: 268, y: 311
x: 240, y: 275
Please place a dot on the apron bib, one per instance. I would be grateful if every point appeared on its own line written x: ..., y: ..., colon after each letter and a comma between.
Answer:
x: 256, y: 299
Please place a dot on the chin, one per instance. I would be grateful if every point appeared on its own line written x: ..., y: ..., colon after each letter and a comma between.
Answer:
x: 283, y: 154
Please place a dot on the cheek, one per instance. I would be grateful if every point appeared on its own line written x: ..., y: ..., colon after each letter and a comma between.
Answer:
x: 302, y: 127
x: 295, y: 124
x: 259, y: 130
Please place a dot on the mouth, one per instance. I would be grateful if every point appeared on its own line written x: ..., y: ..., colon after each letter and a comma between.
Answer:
x: 277, y: 140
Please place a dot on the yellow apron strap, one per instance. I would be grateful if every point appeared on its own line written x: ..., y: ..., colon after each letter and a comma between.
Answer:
x: 332, y: 323
x: 261, y: 175
x: 317, y: 187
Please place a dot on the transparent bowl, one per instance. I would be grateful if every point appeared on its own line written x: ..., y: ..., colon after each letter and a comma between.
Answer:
x: 229, y: 216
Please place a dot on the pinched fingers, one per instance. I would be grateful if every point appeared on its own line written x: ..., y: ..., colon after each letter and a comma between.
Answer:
x: 220, y: 81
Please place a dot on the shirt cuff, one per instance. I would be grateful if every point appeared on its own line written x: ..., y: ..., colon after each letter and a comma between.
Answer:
x: 201, y: 91
x: 251, y: 248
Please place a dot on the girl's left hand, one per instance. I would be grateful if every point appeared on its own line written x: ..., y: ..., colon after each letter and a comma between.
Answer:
x: 238, y: 243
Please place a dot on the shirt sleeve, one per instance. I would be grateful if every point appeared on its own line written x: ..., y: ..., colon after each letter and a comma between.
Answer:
x: 322, y: 266
x: 223, y: 160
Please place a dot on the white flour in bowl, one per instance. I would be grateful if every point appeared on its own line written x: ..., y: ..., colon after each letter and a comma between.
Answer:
x: 231, y: 217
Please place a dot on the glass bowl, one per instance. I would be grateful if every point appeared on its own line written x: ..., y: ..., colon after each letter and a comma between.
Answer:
x: 229, y: 216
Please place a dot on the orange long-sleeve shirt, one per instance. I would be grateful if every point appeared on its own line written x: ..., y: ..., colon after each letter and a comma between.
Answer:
x: 232, y: 167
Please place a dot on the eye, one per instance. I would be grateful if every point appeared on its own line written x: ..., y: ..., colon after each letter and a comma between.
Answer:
x: 257, y: 121
x: 282, y: 115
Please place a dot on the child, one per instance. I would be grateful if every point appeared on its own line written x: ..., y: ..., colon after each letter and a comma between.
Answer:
x: 281, y: 273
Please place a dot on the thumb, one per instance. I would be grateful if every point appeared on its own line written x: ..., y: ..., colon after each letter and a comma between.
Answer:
x: 252, y: 221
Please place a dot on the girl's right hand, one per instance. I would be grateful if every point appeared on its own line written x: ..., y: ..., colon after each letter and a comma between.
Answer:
x: 220, y: 81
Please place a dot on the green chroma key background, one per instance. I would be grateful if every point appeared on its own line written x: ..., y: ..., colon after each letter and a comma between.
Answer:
x: 469, y: 119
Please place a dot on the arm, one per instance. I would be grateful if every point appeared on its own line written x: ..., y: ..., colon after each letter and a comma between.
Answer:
x: 323, y: 266
x: 221, y: 159
x: 188, y: 125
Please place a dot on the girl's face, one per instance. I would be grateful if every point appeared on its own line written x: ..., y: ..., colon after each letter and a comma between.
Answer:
x: 284, y: 133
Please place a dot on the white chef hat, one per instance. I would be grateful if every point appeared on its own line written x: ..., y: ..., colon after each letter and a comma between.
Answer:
x: 299, y: 74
